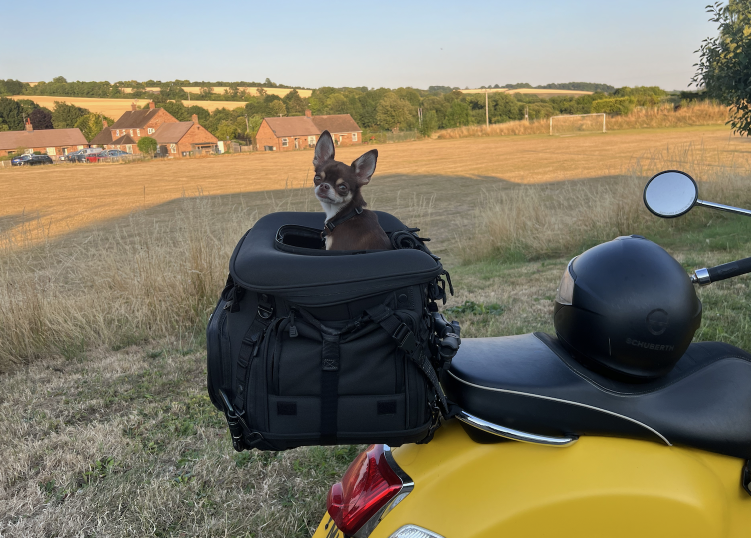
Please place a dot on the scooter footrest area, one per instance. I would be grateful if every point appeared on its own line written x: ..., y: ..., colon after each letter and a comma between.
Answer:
x: 530, y: 383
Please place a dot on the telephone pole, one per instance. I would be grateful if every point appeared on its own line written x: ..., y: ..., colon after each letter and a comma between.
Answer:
x: 487, y: 116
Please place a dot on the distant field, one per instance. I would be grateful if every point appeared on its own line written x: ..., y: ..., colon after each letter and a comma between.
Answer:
x: 69, y: 197
x: 533, y: 91
x: 115, y: 107
x: 281, y: 92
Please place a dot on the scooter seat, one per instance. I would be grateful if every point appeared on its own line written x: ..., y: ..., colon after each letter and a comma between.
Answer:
x: 531, y: 383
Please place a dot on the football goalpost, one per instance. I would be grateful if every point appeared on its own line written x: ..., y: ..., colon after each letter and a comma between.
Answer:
x: 578, y: 123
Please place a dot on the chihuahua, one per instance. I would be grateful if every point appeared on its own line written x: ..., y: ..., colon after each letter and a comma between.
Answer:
x: 337, y: 186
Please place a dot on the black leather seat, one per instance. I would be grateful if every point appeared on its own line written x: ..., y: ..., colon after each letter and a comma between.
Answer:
x: 530, y: 383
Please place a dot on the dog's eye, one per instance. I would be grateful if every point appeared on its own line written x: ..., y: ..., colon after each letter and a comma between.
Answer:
x: 317, y: 179
x: 343, y: 188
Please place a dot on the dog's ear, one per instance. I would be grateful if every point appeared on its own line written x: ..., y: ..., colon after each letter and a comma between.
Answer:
x: 324, y: 149
x: 364, y: 166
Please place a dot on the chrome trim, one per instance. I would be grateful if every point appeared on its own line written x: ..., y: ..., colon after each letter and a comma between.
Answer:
x: 701, y: 277
x: 658, y: 434
x: 723, y: 207
x: 413, y: 528
x: 515, y: 435
x: 407, y: 486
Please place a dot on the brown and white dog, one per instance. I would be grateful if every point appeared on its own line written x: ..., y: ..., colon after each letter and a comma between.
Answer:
x: 349, y: 226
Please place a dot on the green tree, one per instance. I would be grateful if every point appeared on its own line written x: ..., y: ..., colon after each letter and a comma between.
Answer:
x: 227, y: 130
x: 724, y: 67
x: 147, y: 145
x: 92, y: 124
x: 277, y: 108
x: 392, y: 112
x: 429, y: 123
x: 458, y: 114
x: 177, y: 109
x: 202, y: 113
x: 11, y: 114
x: 294, y: 103
x: 65, y: 116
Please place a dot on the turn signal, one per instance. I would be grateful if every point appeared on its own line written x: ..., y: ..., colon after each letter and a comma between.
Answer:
x: 367, y: 487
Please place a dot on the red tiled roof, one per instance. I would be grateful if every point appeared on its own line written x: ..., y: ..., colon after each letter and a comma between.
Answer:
x: 293, y: 126
x: 336, y: 123
x: 305, y: 126
x: 125, y: 139
x: 103, y: 137
x: 45, y: 138
x: 171, y: 133
x: 135, y: 119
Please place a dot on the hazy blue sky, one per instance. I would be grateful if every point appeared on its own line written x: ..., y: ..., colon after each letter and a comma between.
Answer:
x: 373, y: 44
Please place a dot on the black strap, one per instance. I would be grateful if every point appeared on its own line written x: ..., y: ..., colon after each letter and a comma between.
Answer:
x: 333, y: 223
x: 248, y: 348
x: 329, y: 387
x: 407, y: 342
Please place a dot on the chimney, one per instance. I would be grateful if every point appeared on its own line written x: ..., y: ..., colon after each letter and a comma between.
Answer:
x: 29, y: 127
x: 308, y: 114
x: 151, y: 105
x: 104, y: 124
x: 133, y: 107
x: 195, y: 119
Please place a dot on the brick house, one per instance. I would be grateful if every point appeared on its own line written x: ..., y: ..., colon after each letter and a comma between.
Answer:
x: 53, y: 142
x: 184, y: 138
x: 125, y: 133
x: 298, y: 132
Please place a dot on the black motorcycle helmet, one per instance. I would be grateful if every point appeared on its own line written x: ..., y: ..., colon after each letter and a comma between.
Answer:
x: 626, y: 309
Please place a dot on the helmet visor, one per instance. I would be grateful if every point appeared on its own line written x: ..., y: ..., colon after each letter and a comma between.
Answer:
x: 565, y: 293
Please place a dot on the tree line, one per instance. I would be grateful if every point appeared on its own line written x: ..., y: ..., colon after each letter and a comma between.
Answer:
x: 374, y: 110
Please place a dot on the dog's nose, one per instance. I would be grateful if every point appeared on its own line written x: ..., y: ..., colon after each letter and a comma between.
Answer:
x: 324, y: 186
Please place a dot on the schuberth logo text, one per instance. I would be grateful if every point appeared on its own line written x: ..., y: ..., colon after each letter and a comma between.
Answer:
x: 647, y: 345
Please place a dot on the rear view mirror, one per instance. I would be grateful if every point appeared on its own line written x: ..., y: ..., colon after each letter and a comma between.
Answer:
x: 670, y: 194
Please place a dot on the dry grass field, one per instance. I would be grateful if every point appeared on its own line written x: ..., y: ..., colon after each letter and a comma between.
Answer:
x: 115, y: 107
x: 69, y: 197
x: 105, y: 291
x: 253, y: 90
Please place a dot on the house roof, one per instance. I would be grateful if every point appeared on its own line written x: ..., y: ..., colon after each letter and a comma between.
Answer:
x: 41, y: 138
x: 135, y: 119
x: 171, y: 133
x: 293, y: 126
x: 125, y: 139
x: 103, y: 137
x: 336, y: 123
x: 305, y: 126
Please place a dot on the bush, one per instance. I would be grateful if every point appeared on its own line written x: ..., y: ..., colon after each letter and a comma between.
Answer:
x: 147, y: 145
x: 620, y: 105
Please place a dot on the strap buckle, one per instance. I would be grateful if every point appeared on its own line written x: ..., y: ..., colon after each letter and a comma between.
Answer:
x: 265, y: 312
x: 405, y: 338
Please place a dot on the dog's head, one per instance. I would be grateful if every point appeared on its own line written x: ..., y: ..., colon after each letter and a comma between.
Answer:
x: 336, y: 183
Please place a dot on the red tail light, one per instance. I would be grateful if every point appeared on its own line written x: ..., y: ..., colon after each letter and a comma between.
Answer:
x: 367, y: 486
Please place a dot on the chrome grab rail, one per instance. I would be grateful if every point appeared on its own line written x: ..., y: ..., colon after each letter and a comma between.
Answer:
x: 515, y: 435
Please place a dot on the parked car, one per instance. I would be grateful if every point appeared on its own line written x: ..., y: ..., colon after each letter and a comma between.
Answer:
x: 109, y: 155
x: 73, y: 156
x: 31, y: 160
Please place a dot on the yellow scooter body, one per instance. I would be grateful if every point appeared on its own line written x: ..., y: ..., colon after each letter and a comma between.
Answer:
x: 597, y: 487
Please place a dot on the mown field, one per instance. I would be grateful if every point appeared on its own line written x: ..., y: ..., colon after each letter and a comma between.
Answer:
x: 104, y: 293
x: 114, y: 108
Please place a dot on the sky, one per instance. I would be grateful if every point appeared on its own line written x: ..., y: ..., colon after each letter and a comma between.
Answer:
x: 373, y: 44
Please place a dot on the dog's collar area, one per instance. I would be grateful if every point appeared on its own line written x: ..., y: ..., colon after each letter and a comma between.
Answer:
x: 333, y: 223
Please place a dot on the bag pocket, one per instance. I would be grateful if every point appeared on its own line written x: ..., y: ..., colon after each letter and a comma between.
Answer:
x: 355, y: 414
x: 215, y: 353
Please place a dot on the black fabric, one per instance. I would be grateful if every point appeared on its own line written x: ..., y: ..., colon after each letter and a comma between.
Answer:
x: 530, y: 383
x: 308, y: 363
x: 315, y: 280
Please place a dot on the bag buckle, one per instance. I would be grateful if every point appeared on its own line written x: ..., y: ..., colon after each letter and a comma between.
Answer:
x: 405, y: 338
x: 265, y: 312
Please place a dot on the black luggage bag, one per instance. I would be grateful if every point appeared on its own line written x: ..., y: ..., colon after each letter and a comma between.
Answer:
x: 315, y: 347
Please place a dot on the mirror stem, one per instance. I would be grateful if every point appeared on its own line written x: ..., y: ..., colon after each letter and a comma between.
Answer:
x: 701, y: 277
x: 722, y: 207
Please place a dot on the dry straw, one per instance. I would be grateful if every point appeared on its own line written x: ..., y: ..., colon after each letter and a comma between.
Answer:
x: 692, y: 114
